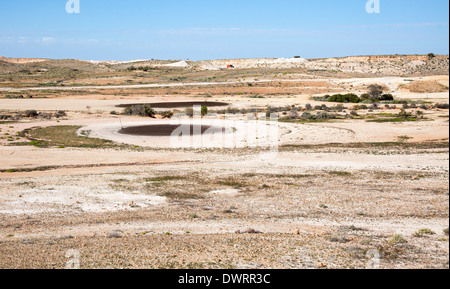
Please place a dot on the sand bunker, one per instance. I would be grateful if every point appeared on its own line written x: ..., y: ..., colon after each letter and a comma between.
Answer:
x: 167, y: 130
x: 176, y: 104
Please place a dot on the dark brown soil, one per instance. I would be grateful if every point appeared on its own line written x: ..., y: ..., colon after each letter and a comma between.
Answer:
x: 164, y: 130
x: 176, y: 104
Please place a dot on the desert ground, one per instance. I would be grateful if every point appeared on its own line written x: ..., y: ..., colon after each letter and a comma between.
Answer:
x: 346, y: 185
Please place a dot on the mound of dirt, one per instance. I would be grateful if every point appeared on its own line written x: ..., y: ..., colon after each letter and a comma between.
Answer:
x: 179, y: 64
x: 176, y: 104
x: 277, y: 63
x: 21, y: 60
x: 426, y: 86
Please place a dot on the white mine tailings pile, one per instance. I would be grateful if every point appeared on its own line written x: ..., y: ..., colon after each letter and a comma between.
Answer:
x: 379, y: 65
x: 277, y: 63
x: 179, y: 64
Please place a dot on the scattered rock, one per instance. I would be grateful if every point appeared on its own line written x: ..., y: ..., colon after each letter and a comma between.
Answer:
x: 248, y: 231
x: 115, y: 234
x: 27, y: 242
x: 66, y: 237
x: 133, y: 205
x: 321, y: 265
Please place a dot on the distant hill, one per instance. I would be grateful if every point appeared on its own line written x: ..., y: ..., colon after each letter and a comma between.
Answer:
x: 381, y: 65
x: 21, y: 60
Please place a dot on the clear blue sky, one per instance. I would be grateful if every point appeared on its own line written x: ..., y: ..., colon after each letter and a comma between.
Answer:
x: 200, y: 29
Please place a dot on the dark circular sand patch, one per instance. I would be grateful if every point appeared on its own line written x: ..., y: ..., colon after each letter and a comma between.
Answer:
x: 166, y: 130
x: 176, y: 104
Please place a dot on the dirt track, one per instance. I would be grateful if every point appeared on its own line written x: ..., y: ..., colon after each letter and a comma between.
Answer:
x: 184, y: 104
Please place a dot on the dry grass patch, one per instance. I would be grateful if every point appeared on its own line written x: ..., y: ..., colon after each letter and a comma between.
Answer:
x: 165, y: 179
x: 426, y: 86
x: 180, y: 195
x: 233, y: 182
x: 64, y: 136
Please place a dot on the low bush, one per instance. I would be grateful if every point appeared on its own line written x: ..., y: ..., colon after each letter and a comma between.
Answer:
x: 423, y: 232
x: 167, y: 114
x: 14, y: 96
x: 140, y: 110
x: 441, y: 105
x: 397, y: 239
x: 204, y: 110
x: 31, y: 113
x: 60, y: 113
x: 387, y: 97
x: 318, y: 116
x: 344, y: 98
x: 189, y: 111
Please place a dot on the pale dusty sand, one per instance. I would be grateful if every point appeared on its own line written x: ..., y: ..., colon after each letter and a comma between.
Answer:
x: 85, y: 194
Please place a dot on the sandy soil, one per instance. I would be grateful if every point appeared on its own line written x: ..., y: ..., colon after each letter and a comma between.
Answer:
x: 329, y: 195
x: 76, y: 208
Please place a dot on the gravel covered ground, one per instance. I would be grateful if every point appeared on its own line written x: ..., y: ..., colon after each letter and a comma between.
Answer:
x: 349, y: 192
x: 227, y: 210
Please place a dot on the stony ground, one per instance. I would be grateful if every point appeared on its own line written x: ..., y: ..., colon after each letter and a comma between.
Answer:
x: 346, y: 193
x: 229, y: 211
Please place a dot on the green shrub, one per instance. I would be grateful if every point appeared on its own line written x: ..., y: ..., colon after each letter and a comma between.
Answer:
x: 397, y: 239
x: 365, y: 97
x: 387, y: 97
x: 60, y: 113
x: 31, y: 113
x: 167, y: 114
x: 375, y: 91
x: 189, y: 111
x: 423, y: 232
x: 442, y: 105
x: 325, y: 115
x: 140, y: 110
x: 204, y: 110
x: 319, y: 116
x: 404, y: 114
x: 344, y: 98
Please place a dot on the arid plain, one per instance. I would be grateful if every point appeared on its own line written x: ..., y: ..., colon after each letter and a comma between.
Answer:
x: 351, y: 185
